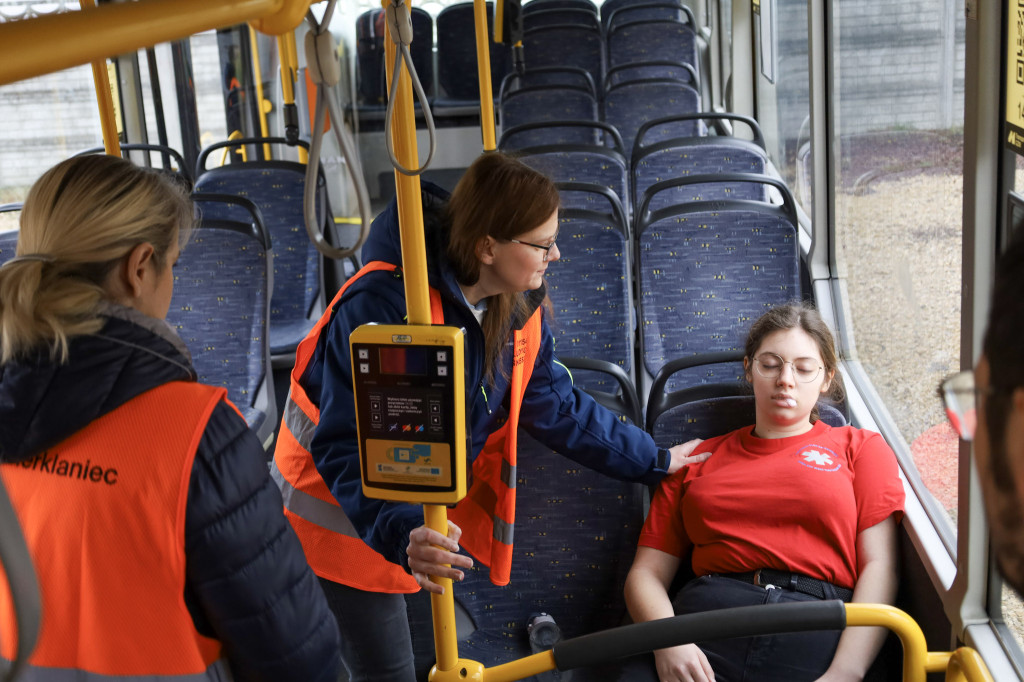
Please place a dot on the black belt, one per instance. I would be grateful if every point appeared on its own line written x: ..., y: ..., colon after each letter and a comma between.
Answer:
x: 791, y: 581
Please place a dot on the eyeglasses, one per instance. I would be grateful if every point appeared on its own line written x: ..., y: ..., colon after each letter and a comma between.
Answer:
x: 959, y: 396
x: 770, y: 365
x: 545, y: 249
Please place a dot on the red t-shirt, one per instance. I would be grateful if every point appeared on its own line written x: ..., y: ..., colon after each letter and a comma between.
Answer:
x: 792, y: 504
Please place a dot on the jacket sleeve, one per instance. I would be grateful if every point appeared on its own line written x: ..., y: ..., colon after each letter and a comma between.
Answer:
x: 385, y: 526
x: 571, y: 422
x: 248, y: 583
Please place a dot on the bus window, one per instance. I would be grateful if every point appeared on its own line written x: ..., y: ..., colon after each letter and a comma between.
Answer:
x: 783, y: 108
x: 46, y: 120
x: 898, y: 190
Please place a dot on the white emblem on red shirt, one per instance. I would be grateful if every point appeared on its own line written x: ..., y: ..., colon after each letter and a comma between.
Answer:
x: 818, y: 457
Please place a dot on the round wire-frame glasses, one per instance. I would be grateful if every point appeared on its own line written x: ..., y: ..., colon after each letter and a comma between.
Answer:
x: 770, y: 365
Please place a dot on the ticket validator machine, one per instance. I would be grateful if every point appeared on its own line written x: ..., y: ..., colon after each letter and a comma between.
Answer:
x: 410, y: 412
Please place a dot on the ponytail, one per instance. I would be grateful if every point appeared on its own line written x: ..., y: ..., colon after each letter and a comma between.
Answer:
x: 79, y: 221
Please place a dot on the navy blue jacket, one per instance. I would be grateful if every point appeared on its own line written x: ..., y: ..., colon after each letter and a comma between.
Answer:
x: 553, y: 411
x: 248, y: 583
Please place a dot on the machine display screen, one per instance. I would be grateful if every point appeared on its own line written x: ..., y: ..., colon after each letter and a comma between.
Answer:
x: 397, y: 360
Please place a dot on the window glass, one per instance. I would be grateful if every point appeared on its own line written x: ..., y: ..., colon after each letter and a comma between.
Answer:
x: 46, y: 120
x: 783, y: 108
x: 899, y: 77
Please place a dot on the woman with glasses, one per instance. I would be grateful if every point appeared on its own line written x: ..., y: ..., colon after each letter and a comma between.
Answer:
x: 787, y: 510
x: 488, y: 246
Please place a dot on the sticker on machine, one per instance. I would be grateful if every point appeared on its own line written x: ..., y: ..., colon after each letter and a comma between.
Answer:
x: 408, y: 463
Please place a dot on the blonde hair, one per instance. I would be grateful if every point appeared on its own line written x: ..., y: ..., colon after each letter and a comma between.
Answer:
x: 79, y: 220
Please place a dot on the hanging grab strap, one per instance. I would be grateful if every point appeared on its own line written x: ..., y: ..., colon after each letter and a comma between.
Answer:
x: 400, y: 27
x: 324, y: 70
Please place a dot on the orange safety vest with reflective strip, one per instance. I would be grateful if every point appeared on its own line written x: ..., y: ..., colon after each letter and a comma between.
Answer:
x: 103, y: 514
x: 333, y: 547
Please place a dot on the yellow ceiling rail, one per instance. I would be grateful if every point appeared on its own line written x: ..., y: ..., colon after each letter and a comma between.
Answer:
x: 30, y: 47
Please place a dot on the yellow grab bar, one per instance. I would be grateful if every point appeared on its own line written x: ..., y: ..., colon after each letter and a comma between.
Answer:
x: 104, y: 98
x: 116, y: 28
x: 262, y: 105
x: 483, y: 69
x: 241, y: 148
x: 966, y: 665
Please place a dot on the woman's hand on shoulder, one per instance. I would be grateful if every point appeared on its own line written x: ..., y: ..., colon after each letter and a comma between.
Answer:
x: 682, y: 455
x: 686, y: 663
x: 433, y: 554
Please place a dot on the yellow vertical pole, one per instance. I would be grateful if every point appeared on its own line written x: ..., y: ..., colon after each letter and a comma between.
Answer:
x: 417, y: 297
x: 105, y: 100
x: 289, y: 72
x: 483, y: 70
x: 261, y: 103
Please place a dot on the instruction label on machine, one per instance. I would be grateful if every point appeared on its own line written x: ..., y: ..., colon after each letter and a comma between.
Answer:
x: 390, y: 461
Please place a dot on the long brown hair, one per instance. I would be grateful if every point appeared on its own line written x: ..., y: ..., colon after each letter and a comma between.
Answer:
x: 799, y: 315
x: 499, y: 197
x: 79, y: 220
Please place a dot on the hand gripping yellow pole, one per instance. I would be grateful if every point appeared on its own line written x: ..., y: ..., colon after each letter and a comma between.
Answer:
x: 483, y: 69
x: 417, y: 297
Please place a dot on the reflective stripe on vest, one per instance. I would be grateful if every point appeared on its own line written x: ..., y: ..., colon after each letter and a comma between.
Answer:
x: 333, y: 548
x: 104, y: 516
x: 487, y: 514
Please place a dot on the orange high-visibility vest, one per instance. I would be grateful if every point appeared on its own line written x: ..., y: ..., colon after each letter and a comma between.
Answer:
x: 333, y: 547
x: 103, y: 514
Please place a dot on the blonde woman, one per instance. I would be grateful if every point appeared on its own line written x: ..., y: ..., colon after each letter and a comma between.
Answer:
x: 154, y: 527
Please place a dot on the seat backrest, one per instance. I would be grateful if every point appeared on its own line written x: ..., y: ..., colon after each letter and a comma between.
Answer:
x: 8, y: 245
x: 653, y: 40
x: 693, y: 156
x: 664, y: 69
x: 534, y: 104
x: 708, y: 269
x: 371, y: 31
x: 650, y: 10
x: 591, y: 286
x: 582, y: 163
x: 220, y: 306
x: 551, y: 76
x: 10, y: 215
x: 611, y: 7
x: 157, y: 156
x: 575, y: 537
x: 565, y: 45
x: 456, y: 52
x: 629, y: 105
x: 716, y: 417
x: 277, y: 187
x: 542, y: 5
x: 561, y: 15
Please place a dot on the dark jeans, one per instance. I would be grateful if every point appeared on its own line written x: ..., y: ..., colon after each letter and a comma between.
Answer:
x: 375, y: 640
x: 768, y: 658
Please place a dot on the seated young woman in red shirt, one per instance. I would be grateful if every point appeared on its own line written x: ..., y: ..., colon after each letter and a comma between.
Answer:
x: 812, y: 507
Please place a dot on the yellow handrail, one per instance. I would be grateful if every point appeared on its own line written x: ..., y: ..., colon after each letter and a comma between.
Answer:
x: 116, y: 28
x: 104, y: 98
x: 235, y: 134
x: 262, y: 105
x: 966, y: 665
x: 483, y: 67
